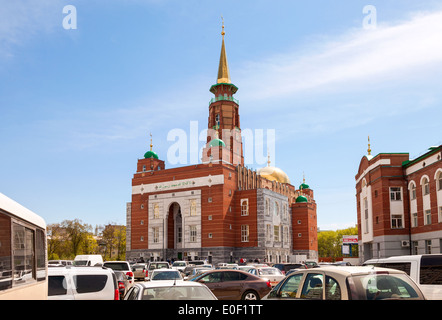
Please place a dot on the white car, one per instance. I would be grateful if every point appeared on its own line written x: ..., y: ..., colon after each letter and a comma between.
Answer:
x: 165, y: 274
x: 274, y: 275
x: 82, y: 283
x: 179, y: 265
x: 121, y: 266
x: 169, y: 290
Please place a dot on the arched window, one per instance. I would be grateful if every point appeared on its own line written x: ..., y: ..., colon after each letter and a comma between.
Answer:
x: 439, y: 180
x: 276, y: 209
x: 412, y: 189
x: 267, y: 207
x: 425, y: 187
x: 156, y: 211
x: 245, y: 207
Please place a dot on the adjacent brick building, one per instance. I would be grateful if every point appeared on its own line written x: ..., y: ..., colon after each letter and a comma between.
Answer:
x: 399, y: 204
x: 219, y: 210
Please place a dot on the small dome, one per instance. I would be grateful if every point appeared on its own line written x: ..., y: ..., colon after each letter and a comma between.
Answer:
x: 274, y: 174
x: 304, y: 186
x: 150, y: 154
x: 216, y: 143
x: 301, y: 199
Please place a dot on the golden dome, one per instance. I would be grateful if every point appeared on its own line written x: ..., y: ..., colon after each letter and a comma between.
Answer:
x: 274, y: 174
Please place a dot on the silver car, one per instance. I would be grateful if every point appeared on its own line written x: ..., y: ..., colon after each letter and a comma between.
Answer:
x: 347, y: 283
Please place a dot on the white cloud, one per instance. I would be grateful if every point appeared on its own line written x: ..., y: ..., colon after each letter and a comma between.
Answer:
x: 360, y: 57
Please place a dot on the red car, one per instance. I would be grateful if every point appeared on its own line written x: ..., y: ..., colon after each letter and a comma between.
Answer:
x: 234, y: 284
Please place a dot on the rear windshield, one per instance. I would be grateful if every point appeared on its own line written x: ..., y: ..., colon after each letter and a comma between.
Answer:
x: 381, y: 287
x: 177, y: 293
x: 117, y: 266
x: 158, y: 266
x: 431, y: 270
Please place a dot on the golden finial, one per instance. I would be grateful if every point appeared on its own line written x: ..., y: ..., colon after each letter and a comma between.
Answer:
x: 268, y: 158
x: 222, y: 33
x: 303, y: 177
x: 369, y: 149
x: 151, y: 145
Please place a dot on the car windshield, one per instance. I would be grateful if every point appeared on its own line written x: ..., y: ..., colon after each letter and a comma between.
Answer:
x: 158, y: 266
x: 166, y: 275
x: 270, y: 271
x: 116, y: 265
x: 80, y: 263
x: 179, y: 264
x: 383, y: 286
x: 177, y: 293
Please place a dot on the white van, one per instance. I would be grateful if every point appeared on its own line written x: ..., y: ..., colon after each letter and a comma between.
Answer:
x: 82, y: 283
x: 88, y: 260
x: 425, y: 270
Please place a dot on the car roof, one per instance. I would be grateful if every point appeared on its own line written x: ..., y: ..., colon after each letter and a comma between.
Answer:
x: 78, y: 270
x: 169, y: 283
x: 351, y: 270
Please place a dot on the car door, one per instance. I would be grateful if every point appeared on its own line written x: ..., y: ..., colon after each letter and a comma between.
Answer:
x: 213, y: 281
x: 233, y: 286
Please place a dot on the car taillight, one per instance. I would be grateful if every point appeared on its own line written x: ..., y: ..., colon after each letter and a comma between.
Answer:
x: 116, y: 295
x: 269, y: 284
x: 130, y: 274
x: 120, y: 285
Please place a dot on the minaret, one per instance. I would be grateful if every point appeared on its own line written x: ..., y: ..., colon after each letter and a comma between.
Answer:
x: 224, y: 141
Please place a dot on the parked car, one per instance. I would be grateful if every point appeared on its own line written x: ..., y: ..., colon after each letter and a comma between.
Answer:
x: 140, y: 271
x: 347, y: 283
x: 88, y: 260
x: 228, y: 284
x: 121, y: 266
x: 82, y: 283
x: 122, y: 282
x: 284, y: 267
x: 156, y: 265
x: 169, y: 290
x: 165, y: 274
x: 425, y: 270
x: 274, y: 275
x: 179, y: 265
x: 58, y: 263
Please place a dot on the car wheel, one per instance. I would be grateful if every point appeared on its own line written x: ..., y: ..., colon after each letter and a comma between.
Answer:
x: 250, y: 295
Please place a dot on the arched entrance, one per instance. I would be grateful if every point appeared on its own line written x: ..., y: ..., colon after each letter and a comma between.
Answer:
x: 175, y: 231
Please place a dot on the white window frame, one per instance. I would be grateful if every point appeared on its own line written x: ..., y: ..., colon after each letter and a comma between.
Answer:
x: 395, y: 194
x: 397, y: 221
x: 192, y: 205
x: 193, y: 233
x: 156, y: 234
x: 156, y: 211
x: 244, y: 207
x: 244, y: 233
x: 427, y: 217
x: 414, y: 221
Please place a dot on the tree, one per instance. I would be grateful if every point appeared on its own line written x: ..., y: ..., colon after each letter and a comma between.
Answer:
x: 329, y: 242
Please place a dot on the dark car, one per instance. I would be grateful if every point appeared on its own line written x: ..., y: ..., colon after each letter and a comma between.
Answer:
x: 285, y: 267
x: 234, y: 284
x: 123, y: 283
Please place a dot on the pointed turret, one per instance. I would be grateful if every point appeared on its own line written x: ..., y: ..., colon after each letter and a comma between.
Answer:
x: 223, y: 69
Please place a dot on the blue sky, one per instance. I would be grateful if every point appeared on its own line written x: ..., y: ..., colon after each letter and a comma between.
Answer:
x: 77, y: 105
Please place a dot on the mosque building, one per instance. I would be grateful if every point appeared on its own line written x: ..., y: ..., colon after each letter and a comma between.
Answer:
x: 219, y: 210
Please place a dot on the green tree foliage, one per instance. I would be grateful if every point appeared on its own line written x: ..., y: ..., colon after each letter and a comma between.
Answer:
x: 329, y: 242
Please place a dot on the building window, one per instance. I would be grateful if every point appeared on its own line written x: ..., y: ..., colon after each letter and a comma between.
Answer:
x: 141, y: 238
x: 267, y: 207
x: 427, y: 217
x: 299, y: 235
x: 276, y: 233
x: 142, y: 222
x: 245, y: 207
x: 209, y: 217
x: 396, y: 221
x: 210, y: 236
x: 366, y: 214
x: 425, y: 187
x: 413, y: 192
x: 245, y: 233
x: 193, y: 207
x: 142, y: 206
x: 269, y: 232
x: 179, y: 234
x: 299, y: 221
x: 217, y: 119
x: 156, y: 234
x: 439, y: 181
x: 440, y: 214
x: 209, y: 199
x: 414, y: 220
x: 428, y: 246
x: 144, y: 168
x: 156, y: 211
x: 276, y: 209
x: 193, y: 233
x: 395, y: 194
x: 286, y: 235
